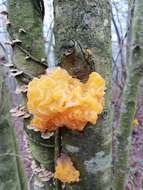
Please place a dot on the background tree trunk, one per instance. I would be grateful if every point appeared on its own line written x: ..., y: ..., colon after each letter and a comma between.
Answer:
x: 12, y: 176
x: 80, y: 27
x: 135, y: 70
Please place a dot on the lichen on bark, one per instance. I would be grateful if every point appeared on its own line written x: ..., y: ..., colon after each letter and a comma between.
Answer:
x: 24, y: 17
x: 12, y: 176
x: 82, y: 26
x: 26, y: 25
x: 128, y: 108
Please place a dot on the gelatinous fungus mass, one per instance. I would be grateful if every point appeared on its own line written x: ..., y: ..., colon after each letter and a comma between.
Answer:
x: 57, y: 100
x: 65, y: 170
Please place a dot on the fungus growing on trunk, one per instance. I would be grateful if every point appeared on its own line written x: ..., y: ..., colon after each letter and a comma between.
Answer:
x: 65, y: 171
x: 58, y: 100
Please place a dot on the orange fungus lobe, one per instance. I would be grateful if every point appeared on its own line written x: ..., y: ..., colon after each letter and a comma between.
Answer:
x: 65, y: 171
x: 58, y: 100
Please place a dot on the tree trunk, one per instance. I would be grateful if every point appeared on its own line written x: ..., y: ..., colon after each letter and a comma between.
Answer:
x: 85, y: 27
x: 80, y: 27
x: 27, y: 26
x: 12, y: 176
x: 135, y: 70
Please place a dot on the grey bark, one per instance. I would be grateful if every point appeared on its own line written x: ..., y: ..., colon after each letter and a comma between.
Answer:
x: 24, y: 17
x: 81, y: 25
x: 12, y: 176
x: 135, y: 70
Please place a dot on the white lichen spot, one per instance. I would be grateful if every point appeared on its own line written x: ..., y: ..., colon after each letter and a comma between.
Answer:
x: 108, y: 140
x: 38, y: 183
x: 98, y: 163
x: 105, y: 22
x: 72, y: 149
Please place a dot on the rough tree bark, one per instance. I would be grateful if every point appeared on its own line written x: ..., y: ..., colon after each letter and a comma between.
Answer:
x: 82, y: 27
x: 82, y: 33
x: 11, y: 166
x: 27, y: 26
x: 135, y: 70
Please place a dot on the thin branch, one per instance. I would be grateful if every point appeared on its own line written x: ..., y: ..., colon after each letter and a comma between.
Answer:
x: 31, y: 56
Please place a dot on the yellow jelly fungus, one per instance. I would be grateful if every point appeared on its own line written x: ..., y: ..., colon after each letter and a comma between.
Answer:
x: 58, y: 100
x: 135, y: 122
x: 65, y: 170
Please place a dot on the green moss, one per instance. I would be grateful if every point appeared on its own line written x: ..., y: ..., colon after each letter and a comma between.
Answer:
x: 12, y: 176
x: 22, y: 15
x: 135, y: 72
x: 28, y: 66
x: 82, y: 21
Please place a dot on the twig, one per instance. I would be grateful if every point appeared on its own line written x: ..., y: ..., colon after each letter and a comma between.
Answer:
x: 31, y: 56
